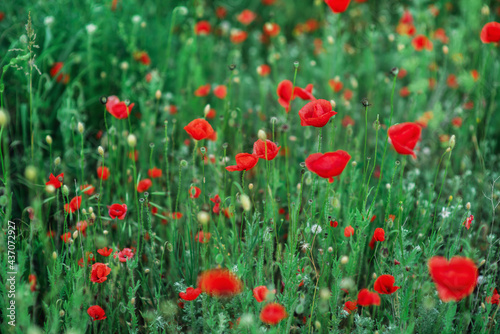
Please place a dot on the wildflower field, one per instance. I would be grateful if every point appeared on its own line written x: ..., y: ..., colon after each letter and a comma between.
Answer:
x: 249, y: 166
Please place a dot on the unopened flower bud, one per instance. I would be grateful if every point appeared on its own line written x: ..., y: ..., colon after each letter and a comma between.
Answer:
x: 206, y: 110
x: 333, y: 103
x: 48, y: 139
x: 61, y: 313
x: 452, y: 141
x: 262, y: 134
x: 30, y: 173
x: 105, y: 232
x: 54, y: 255
x: 80, y: 127
x: 344, y: 259
x: 250, y: 186
x: 75, y: 234
x: 57, y: 161
x: 203, y: 217
x: 4, y: 117
x: 158, y: 94
x: 132, y: 140
x: 467, y: 205
x: 100, y: 150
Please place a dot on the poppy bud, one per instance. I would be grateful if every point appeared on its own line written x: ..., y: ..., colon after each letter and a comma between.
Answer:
x: 80, y: 127
x: 245, y: 202
x: 54, y: 255
x: 485, y: 10
x: 445, y: 49
x: 132, y: 140
x: 57, y: 161
x: 61, y: 313
x: 100, y: 150
x: 30, y: 173
x: 132, y: 301
x: 330, y: 40
x: 333, y: 103
x: 262, y: 135
x: 203, y: 217
x: 354, y: 164
x: 452, y: 141
x: 158, y: 94
x: 105, y: 232
x: 467, y: 205
x: 344, y: 259
x: 250, y: 186
x: 330, y: 249
x: 75, y: 234
x: 4, y: 117
x: 395, y: 71
x: 124, y: 65
x: 183, y: 163
x: 48, y: 139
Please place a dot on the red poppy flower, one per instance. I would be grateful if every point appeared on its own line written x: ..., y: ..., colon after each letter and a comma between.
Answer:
x: 284, y: 92
x: 74, y: 205
x: 125, y: 254
x: 99, y: 272
x: 199, y: 129
x: 368, y: 298
x: 194, y: 192
x: 216, y: 200
x: 350, y: 306
x: 190, y: 294
x: 220, y: 92
x: 202, y: 90
x: 56, y: 71
x: 404, y: 137
x: 176, y: 215
x: 117, y: 211
x: 490, y: 33
x: 221, y: 12
x: 103, y: 173
x: 378, y: 235
x: 265, y: 150
x: 32, y: 281
x: 154, y: 173
x: 260, y: 293
x: 348, y: 231
x: 273, y: 313
x: 334, y: 223
x: 244, y: 161
x: 404, y: 92
x: 451, y: 81
x: 144, y: 185
x: 271, y: 29
x: 456, y: 122
x: 105, y: 251
x: 440, y: 34
x: 55, y: 181
x: 338, y: 6
x: 238, y: 36
x: 328, y: 165
x: 142, y: 57
x: 172, y: 109
x: 421, y: 42
x: 494, y: 299
x: 66, y: 237
x: 81, y: 227
x: 211, y: 115
x: 219, y: 283
x: 246, y: 17
x: 336, y: 85
x: 263, y: 70
x: 96, y: 313
x: 385, y: 285
x: 203, y: 237
x: 316, y: 113
x: 268, y: 2
x: 117, y: 108
x: 202, y: 28
x: 88, y: 189
x: 468, y: 221
x: 402, y: 73
x: 475, y: 75
x: 455, y: 279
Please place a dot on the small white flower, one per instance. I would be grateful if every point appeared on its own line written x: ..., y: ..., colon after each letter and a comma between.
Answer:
x: 91, y: 28
x: 305, y: 246
x: 445, y: 213
x: 316, y: 229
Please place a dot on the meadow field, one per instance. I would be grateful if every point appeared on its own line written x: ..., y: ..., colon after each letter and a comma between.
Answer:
x: 249, y: 166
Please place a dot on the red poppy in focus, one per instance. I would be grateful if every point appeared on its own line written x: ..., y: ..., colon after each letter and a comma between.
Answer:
x: 378, y: 235
x: 190, y: 294
x: 494, y: 299
x: 99, y: 272
x: 56, y: 71
x: 220, y: 92
x: 271, y: 29
x: 265, y: 150
x: 368, y: 298
x: 304, y: 93
x: 455, y: 279
x: 349, y: 231
x: 328, y: 165
x: 244, y: 161
x: 125, y: 254
x: 284, y: 92
x: 117, y: 108
x: 468, y: 221
x: 105, y: 251
x: 316, y: 113
x: 338, y: 6
x: 144, y: 185
x: 202, y: 28
x: 385, y: 285
x: 55, y: 181
x: 103, y: 173
x: 142, y: 57
x: 336, y: 85
x: 117, y: 211
x: 263, y: 70
x: 238, y: 36
x: 420, y: 42
x: 451, y: 81
x: 74, y: 205
x: 260, y: 293
x: 273, y: 313
x: 350, y: 306
x: 202, y: 90
x: 404, y: 137
x: 219, y: 283
x: 96, y: 313
x: 490, y: 33
x: 194, y: 192
x: 203, y: 237
x: 216, y: 200
x: 246, y: 17
x: 87, y: 189
x: 199, y: 129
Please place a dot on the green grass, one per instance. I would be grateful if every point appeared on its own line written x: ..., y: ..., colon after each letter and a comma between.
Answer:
x: 420, y: 203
